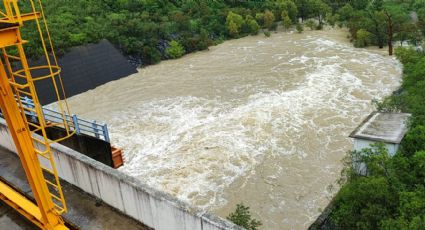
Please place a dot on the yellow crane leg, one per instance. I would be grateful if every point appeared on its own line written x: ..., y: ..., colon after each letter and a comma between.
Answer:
x: 43, y: 214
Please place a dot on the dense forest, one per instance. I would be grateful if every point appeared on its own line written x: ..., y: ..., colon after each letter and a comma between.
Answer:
x: 149, y: 31
x: 392, y: 195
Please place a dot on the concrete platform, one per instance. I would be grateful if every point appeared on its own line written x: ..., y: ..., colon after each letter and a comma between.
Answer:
x: 85, y: 212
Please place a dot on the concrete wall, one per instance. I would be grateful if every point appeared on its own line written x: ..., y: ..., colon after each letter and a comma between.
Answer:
x: 360, y: 144
x: 153, y: 208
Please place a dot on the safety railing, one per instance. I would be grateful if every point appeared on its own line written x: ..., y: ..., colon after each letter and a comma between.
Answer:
x: 81, y: 126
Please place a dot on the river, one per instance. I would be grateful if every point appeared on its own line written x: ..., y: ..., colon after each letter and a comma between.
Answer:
x: 263, y: 121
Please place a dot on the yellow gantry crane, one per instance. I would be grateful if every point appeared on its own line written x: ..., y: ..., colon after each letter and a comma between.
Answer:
x: 27, y: 124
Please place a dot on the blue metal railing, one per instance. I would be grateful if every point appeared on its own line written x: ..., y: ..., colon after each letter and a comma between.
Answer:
x: 81, y: 126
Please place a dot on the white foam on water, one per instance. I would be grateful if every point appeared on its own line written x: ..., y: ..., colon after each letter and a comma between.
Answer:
x: 195, y: 147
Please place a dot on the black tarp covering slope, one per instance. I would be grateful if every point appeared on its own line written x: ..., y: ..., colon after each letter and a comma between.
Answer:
x: 85, y: 68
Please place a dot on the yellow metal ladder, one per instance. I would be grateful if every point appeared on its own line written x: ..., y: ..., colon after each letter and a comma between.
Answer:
x: 23, y: 85
x: 26, y: 122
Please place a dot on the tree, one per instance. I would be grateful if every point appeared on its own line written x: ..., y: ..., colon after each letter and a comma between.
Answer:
x: 363, y: 38
x: 242, y: 217
x: 289, y: 7
x: 260, y: 18
x: 234, y: 23
x: 332, y: 19
x: 372, y: 195
x: 232, y: 28
x: 268, y: 19
x: 397, y: 20
x: 390, y: 32
x: 310, y: 24
x: 175, y: 50
x: 319, y: 9
x: 254, y: 27
x: 303, y: 8
x: 299, y: 28
x: 346, y: 13
x: 286, y: 21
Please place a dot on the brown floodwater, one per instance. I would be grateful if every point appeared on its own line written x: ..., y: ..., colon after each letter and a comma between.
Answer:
x: 263, y: 121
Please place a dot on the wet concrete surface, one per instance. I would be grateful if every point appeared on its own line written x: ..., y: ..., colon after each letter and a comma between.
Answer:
x: 84, y: 211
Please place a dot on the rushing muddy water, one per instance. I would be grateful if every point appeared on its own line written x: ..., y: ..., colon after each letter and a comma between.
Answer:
x: 257, y: 120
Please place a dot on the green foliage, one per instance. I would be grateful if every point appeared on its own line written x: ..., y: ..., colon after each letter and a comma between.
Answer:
x: 414, y: 141
x: 332, y: 19
x: 175, y: 50
x: 392, y: 104
x: 300, y: 28
x: 268, y: 19
x: 392, y: 193
x: 287, y: 8
x: 408, y: 55
x: 242, y: 217
x: 253, y: 26
x: 234, y: 23
x: 319, y: 9
x: 141, y: 28
x: 311, y: 24
x: 286, y: 21
x: 366, y: 197
x: 267, y: 33
x: 260, y: 18
x: 363, y: 38
x: 385, y: 21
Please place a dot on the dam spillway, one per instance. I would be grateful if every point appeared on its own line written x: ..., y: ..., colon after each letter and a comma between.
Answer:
x: 260, y: 120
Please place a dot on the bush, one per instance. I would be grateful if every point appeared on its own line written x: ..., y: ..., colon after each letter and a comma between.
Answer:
x: 254, y: 27
x: 286, y: 21
x: 175, y: 50
x: 260, y: 18
x: 392, y: 104
x: 407, y: 55
x: 267, y: 33
x: 414, y: 140
x: 332, y: 19
x: 300, y: 28
x: 234, y: 23
x: 363, y: 38
x: 242, y: 217
x: 150, y: 55
x: 310, y: 23
x: 268, y: 19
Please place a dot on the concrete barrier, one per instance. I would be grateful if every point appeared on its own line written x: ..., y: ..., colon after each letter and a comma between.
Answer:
x: 153, y: 208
